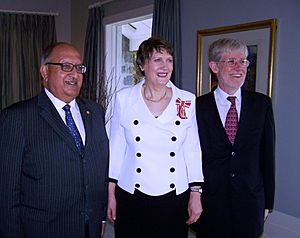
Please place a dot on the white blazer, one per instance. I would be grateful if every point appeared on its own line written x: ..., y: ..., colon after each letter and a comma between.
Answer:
x: 154, y: 155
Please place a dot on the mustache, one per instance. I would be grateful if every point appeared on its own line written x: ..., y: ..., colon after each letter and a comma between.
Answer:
x: 72, y: 80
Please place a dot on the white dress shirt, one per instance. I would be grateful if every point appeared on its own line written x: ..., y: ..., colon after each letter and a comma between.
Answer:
x: 223, y: 104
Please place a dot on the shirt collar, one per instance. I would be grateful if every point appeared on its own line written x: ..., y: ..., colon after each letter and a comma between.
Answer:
x: 59, y: 104
x: 222, y: 96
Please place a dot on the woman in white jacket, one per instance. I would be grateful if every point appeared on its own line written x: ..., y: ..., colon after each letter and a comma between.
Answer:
x: 155, y: 157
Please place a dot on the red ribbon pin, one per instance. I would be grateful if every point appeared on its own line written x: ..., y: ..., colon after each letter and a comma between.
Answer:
x: 181, y: 105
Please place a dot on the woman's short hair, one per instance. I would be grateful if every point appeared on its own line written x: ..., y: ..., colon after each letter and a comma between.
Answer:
x: 146, y: 49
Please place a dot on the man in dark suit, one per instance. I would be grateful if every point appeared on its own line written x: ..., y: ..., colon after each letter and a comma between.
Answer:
x: 52, y: 185
x: 238, y: 159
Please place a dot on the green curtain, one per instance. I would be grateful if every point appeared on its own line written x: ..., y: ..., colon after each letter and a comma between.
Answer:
x: 22, y: 39
x: 167, y: 25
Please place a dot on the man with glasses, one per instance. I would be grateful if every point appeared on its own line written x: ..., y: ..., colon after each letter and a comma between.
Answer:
x: 237, y: 136
x: 54, y: 156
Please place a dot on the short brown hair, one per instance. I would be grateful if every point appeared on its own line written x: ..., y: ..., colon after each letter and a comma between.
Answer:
x: 146, y: 49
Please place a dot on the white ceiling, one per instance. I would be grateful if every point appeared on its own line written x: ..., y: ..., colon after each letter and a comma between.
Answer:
x: 137, y: 30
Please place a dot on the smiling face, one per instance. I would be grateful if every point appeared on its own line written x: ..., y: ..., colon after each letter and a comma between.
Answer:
x: 63, y: 85
x: 230, y: 78
x: 158, y: 68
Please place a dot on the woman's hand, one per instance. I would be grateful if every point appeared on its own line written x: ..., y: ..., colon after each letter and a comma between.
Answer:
x: 194, y: 207
x: 103, y: 228
x: 112, y: 203
x: 267, y: 211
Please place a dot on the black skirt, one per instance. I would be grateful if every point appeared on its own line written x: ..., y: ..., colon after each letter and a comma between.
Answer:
x: 143, y: 216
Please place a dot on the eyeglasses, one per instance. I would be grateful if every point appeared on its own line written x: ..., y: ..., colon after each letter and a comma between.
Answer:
x: 232, y: 62
x: 68, y: 67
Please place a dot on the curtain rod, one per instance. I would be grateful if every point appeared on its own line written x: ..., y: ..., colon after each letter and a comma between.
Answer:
x: 99, y: 4
x: 29, y: 12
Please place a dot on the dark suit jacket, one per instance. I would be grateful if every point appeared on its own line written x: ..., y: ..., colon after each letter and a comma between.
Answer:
x: 43, y: 178
x: 239, y: 180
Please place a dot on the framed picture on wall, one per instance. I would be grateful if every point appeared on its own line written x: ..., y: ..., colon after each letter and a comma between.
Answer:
x: 260, y: 37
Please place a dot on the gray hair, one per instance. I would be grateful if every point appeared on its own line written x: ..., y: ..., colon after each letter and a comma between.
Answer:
x: 218, y: 47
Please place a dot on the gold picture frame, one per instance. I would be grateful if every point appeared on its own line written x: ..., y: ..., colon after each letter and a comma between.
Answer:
x: 260, y: 34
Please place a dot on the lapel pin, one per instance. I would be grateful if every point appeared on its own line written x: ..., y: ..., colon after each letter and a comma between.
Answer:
x: 88, y: 112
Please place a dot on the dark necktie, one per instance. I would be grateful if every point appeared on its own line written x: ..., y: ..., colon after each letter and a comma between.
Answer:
x: 231, y: 123
x: 73, y: 129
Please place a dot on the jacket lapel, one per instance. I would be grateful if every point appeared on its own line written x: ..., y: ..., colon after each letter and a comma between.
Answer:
x: 245, y: 115
x: 49, y: 113
x: 86, y: 115
x: 214, y: 117
x: 140, y: 108
x: 137, y: 104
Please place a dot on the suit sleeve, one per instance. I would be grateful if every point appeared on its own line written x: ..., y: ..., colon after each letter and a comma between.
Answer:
x: 12, y: 144
x: 268, y: 158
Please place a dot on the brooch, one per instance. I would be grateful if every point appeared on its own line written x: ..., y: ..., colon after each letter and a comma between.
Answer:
x: 181, y: 105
